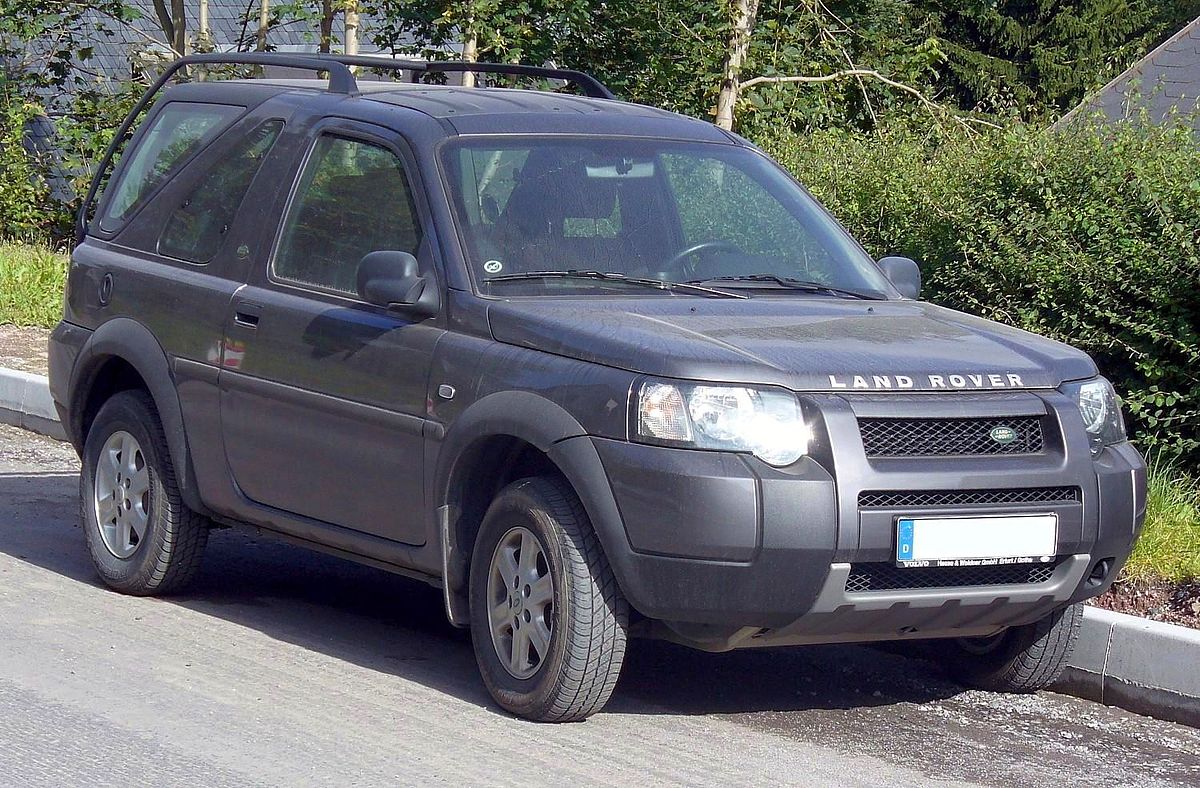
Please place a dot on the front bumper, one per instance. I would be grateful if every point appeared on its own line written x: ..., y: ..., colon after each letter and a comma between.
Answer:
x: 721, y: 550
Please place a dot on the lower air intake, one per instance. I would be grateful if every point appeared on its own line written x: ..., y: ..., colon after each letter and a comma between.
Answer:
x: 889, y: 577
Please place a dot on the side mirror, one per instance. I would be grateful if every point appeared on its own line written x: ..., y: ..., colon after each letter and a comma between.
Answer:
x: 391, y: 279
x: 904, y: 273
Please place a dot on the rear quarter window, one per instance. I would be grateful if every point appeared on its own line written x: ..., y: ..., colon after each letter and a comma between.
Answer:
x: 177, y: 131
x: 197, y: 227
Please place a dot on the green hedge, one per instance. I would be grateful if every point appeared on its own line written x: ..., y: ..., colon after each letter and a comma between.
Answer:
x: 1089, y: 235
x: 26, y: 210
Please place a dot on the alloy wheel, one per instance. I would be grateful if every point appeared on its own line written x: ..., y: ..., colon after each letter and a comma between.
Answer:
x: 520, y: 602
x: 121, y: 494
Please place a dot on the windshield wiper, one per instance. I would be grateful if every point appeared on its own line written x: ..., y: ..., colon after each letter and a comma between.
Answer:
x: 791, y: 284
x: 612, y: 276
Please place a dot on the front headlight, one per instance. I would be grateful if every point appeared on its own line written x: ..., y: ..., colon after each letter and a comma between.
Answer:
x: 1101, y: 411
x: 767, y: 423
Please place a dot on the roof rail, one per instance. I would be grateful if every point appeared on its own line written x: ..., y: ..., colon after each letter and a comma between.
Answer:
x: 590, y: 86
x: 341, y: 80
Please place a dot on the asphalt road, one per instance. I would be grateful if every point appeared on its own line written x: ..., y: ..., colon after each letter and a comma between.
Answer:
x: 282, y: 667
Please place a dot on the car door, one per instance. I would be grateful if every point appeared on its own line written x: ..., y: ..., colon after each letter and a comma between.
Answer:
x: 323, y: 396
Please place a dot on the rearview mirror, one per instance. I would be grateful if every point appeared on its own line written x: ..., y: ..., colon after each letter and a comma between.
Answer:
x: 392, y: 279
x: 904, y: 273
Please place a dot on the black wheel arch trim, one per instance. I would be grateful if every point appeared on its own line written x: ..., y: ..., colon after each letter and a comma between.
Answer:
x: 127, y: 339
x: 556, y: 433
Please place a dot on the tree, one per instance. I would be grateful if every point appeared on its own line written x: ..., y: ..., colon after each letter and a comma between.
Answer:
x: 173, y: 23
x: 1028, y: 57
x: 745, y: 14
x: 326, y: 40
x: 47, y: 43
x: 527, y: 31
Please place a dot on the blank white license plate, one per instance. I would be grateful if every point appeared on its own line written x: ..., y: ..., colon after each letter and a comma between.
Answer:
x: 976, y: 541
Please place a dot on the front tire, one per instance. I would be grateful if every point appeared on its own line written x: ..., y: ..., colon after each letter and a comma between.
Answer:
x: 548, y: 622
x: 142, y: 538
x: 1020, y: 659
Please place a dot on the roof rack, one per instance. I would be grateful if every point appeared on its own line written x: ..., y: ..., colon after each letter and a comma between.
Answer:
x: 590, y: 86
x: 341, y: 80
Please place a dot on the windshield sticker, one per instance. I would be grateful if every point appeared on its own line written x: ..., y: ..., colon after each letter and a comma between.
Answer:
x: 493, y: 266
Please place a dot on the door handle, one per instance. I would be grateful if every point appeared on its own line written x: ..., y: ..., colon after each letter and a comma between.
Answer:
x: 247, y: 315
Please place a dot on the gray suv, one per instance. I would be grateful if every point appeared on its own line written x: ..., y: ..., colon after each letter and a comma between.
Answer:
x: 595, y: 370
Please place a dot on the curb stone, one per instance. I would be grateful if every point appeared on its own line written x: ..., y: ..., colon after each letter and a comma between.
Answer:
x: 1143, y: 666
x: 1147, y: 667
x: 25, y: 402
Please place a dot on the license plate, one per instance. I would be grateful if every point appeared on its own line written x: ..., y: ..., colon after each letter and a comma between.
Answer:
x: 976, y: 541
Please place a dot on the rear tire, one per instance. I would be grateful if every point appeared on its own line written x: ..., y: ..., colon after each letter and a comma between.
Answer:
x: 1020, y: 659
x: 142, y: 538
x: 548, y: 622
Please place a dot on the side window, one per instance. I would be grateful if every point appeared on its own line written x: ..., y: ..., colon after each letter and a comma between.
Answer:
x: 196, y: 228
x: 179, y: 129
x: 353, y: 198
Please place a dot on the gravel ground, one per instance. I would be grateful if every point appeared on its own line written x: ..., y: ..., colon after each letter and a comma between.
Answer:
x: 284, y: 667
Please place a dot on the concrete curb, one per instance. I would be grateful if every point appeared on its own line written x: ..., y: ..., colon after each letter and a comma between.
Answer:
x: 25, y: 402
x: 1144, y: 666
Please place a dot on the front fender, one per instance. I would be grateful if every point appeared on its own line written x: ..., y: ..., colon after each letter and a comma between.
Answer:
x: 518, y: 414
x: 543, y: 424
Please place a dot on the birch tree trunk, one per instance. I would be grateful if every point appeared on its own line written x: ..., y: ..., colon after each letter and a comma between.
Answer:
x: 351, y: 47
x: 470, y: 54
x: 745, y: 13
x: 203, y: 37
x: 264, y: 21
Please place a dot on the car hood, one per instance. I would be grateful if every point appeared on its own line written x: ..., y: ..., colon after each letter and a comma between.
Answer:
x: 803, y: 343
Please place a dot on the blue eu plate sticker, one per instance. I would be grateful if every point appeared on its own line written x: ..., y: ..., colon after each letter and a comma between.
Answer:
x: 904, y: 540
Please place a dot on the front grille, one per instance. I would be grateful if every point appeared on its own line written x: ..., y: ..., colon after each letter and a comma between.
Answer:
x: 889, y: 577
x: 922, y: 499
x: 942, y: 437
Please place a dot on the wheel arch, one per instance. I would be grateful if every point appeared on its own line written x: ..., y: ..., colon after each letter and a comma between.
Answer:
x: 497, y: 440
x: 123, y: 354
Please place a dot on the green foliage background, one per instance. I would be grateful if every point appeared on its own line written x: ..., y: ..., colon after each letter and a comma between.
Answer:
x: 1087, y: 235
x: 24, y: 210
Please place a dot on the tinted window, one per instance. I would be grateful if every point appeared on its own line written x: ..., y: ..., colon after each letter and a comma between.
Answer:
x: 353, y: 198
x: 196, y: 228
x: 179, y: 130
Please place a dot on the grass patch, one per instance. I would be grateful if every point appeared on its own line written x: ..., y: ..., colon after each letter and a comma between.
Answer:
x: 31, y: 285
x: 1169, y: 547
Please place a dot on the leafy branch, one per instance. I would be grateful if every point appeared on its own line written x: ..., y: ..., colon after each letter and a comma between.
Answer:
x: 935, y: 109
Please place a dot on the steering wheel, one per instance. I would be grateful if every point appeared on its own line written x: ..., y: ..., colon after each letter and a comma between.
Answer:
x: 689, y: 269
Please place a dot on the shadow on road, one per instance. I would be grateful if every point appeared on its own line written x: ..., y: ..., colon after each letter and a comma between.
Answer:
x: 394, y: 625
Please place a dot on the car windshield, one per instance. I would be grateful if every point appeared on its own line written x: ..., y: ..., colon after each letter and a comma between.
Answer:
x: 712, y: 214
